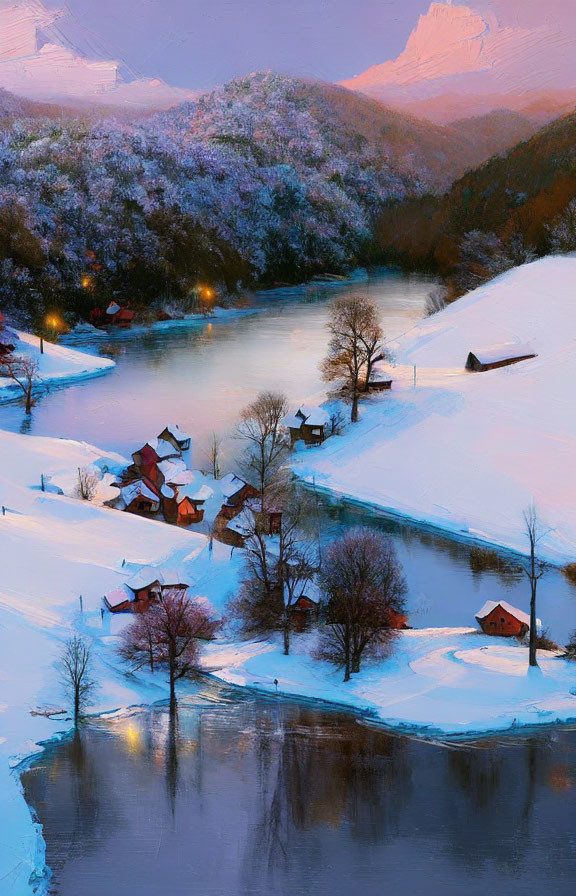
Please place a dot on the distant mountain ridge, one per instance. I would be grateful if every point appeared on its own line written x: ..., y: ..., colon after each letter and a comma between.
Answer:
x: 459, y: 61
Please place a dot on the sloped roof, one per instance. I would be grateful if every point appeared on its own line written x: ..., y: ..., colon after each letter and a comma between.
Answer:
x: 145, y: 577
x: 173, y: 467
x: 194, y: 492
x: 311, y: 416
x: 177, y: 433
x: 119, y: 596
x: 138, y: 488
x: 230, y: 484
x: 113, y: 308
x: 493, y: 354
x: 491, y: 605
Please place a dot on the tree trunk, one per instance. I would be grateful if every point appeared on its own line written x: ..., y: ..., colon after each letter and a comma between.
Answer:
x: 76, y: 705
x: 29, y: 401
x: 347, y: 659
x: 366, y: 385
x: 173, y: 702
x: 354, y: 412
x: 286, y: 637
x: 355, y: 662
x: 532, y: 641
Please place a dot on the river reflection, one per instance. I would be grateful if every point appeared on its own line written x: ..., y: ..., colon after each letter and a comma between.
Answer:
x: 243, y: 796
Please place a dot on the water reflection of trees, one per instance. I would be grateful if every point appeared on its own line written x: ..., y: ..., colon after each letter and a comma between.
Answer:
x: 324, y: 772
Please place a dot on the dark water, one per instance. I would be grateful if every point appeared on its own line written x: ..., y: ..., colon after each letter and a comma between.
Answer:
x: 247, y: 797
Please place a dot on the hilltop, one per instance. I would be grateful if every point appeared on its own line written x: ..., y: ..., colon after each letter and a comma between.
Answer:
x: 469, y: 452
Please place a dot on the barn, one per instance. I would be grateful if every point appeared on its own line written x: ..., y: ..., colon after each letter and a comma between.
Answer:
x: 118, y: 316
x: 501, y: 618
x: 498, y: 356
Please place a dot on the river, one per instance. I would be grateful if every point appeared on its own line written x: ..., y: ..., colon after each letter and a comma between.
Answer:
x: 243, y: 796
x: 203, y: 376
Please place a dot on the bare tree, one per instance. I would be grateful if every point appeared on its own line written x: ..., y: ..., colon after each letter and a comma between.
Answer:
x: 355, y: 343
x: 266, y: 448
x: 75, y: 668
x: 213, y: 453
x: 365, y: 587
x: 168, y: 636
x: 534, y: 572
x: 22, y: 370
x: 276, y: 571
x: 336, y: 422
x: 87, y: 485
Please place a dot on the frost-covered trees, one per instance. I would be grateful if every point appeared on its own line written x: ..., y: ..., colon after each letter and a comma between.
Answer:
x: 484, y: 256
x: 364, y: 584
x: 166, y: 635
x: 562, y: 231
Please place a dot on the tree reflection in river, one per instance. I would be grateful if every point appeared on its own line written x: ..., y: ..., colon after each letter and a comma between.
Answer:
x: 246, y: 796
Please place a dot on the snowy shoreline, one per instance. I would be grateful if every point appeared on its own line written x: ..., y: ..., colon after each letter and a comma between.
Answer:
x: 58, y: 366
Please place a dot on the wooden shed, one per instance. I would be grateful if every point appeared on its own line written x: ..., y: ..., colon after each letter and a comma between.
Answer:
x: 501, y: 618
x: 235, y: 492
x: 498, y: 356
x: 307, y: 425
x: 141, y: 497
x: 118, y: 315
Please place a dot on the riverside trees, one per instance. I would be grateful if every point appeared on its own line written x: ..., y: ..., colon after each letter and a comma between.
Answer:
x: 365, y: 586
x: 356, y: 341
x: 75, y: 668
x: 167, y: 635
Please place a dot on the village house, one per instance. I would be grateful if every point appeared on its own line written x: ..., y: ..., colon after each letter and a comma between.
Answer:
x: 174, y: 435
x: 143, y: 589
x: 498, y: 356
x: 235, y: 492
x: 186, y: 505
x: 118, y: 315
x: 501, y: 618
x: 8, y: 339
x: 141, y: 497
x: 307, y: 425
x: 147, y: 460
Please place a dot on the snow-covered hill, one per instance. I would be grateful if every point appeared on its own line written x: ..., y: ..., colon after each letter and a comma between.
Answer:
x: 471, y: 451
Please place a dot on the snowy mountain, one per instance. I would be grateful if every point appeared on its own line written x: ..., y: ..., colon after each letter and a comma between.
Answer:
x: 43, y: 57
x: 459, y: 61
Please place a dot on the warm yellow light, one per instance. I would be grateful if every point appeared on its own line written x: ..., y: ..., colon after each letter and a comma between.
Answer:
x: 208, y: 294
x: 132, y: 738
x: 53, y: 322
x: 86, y: 281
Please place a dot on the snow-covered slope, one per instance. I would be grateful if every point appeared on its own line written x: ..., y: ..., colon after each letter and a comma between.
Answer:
x: 57, y: 364
x: 52, y: 550
x: 470, y: 451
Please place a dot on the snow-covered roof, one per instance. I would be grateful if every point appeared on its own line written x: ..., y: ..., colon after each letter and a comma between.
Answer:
x: 171, y: 468
x: 493, y: 354
x: 172, y: 577
x: 119, y: 596
x: 315, y: 416
x: 243, y: 524
x: 311, y: 416
x: 145, y: 577
x: 136, y: 489
x: 162, y: 448
x: 167, y: 492
x: 194, y: 493
x: 491, y: 605
x: 113, y: 308
x: 177, y: 433
x: 230, y: 484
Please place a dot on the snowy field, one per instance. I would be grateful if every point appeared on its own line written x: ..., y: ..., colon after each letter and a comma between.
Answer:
x: 469, y: 452
x: 58, y: 365
x: 437, y: 682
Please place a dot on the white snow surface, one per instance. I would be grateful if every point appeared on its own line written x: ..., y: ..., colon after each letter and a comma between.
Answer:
x: 58, y: 364
x: 54, y: 548
x: 469, y: 452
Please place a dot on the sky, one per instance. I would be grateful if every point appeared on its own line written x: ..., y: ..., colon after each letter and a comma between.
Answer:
x: 201, y: 43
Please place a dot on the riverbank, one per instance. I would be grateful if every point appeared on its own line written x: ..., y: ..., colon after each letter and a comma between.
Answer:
x: 57, y: 365
x: 470, y: 452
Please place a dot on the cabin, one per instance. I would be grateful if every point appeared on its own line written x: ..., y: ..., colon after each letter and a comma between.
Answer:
x: 121, y: 600
x: 118, y: 315
x: 501, y: 618
x: 186, y: 505
x: 141, y: 497
x: 235, y: 492
x: 379, y: 385
x: 269, y: 522
x: 148, y: 459
x: 498, y: 356
x: 174, y: 435
x: 307, y: 425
